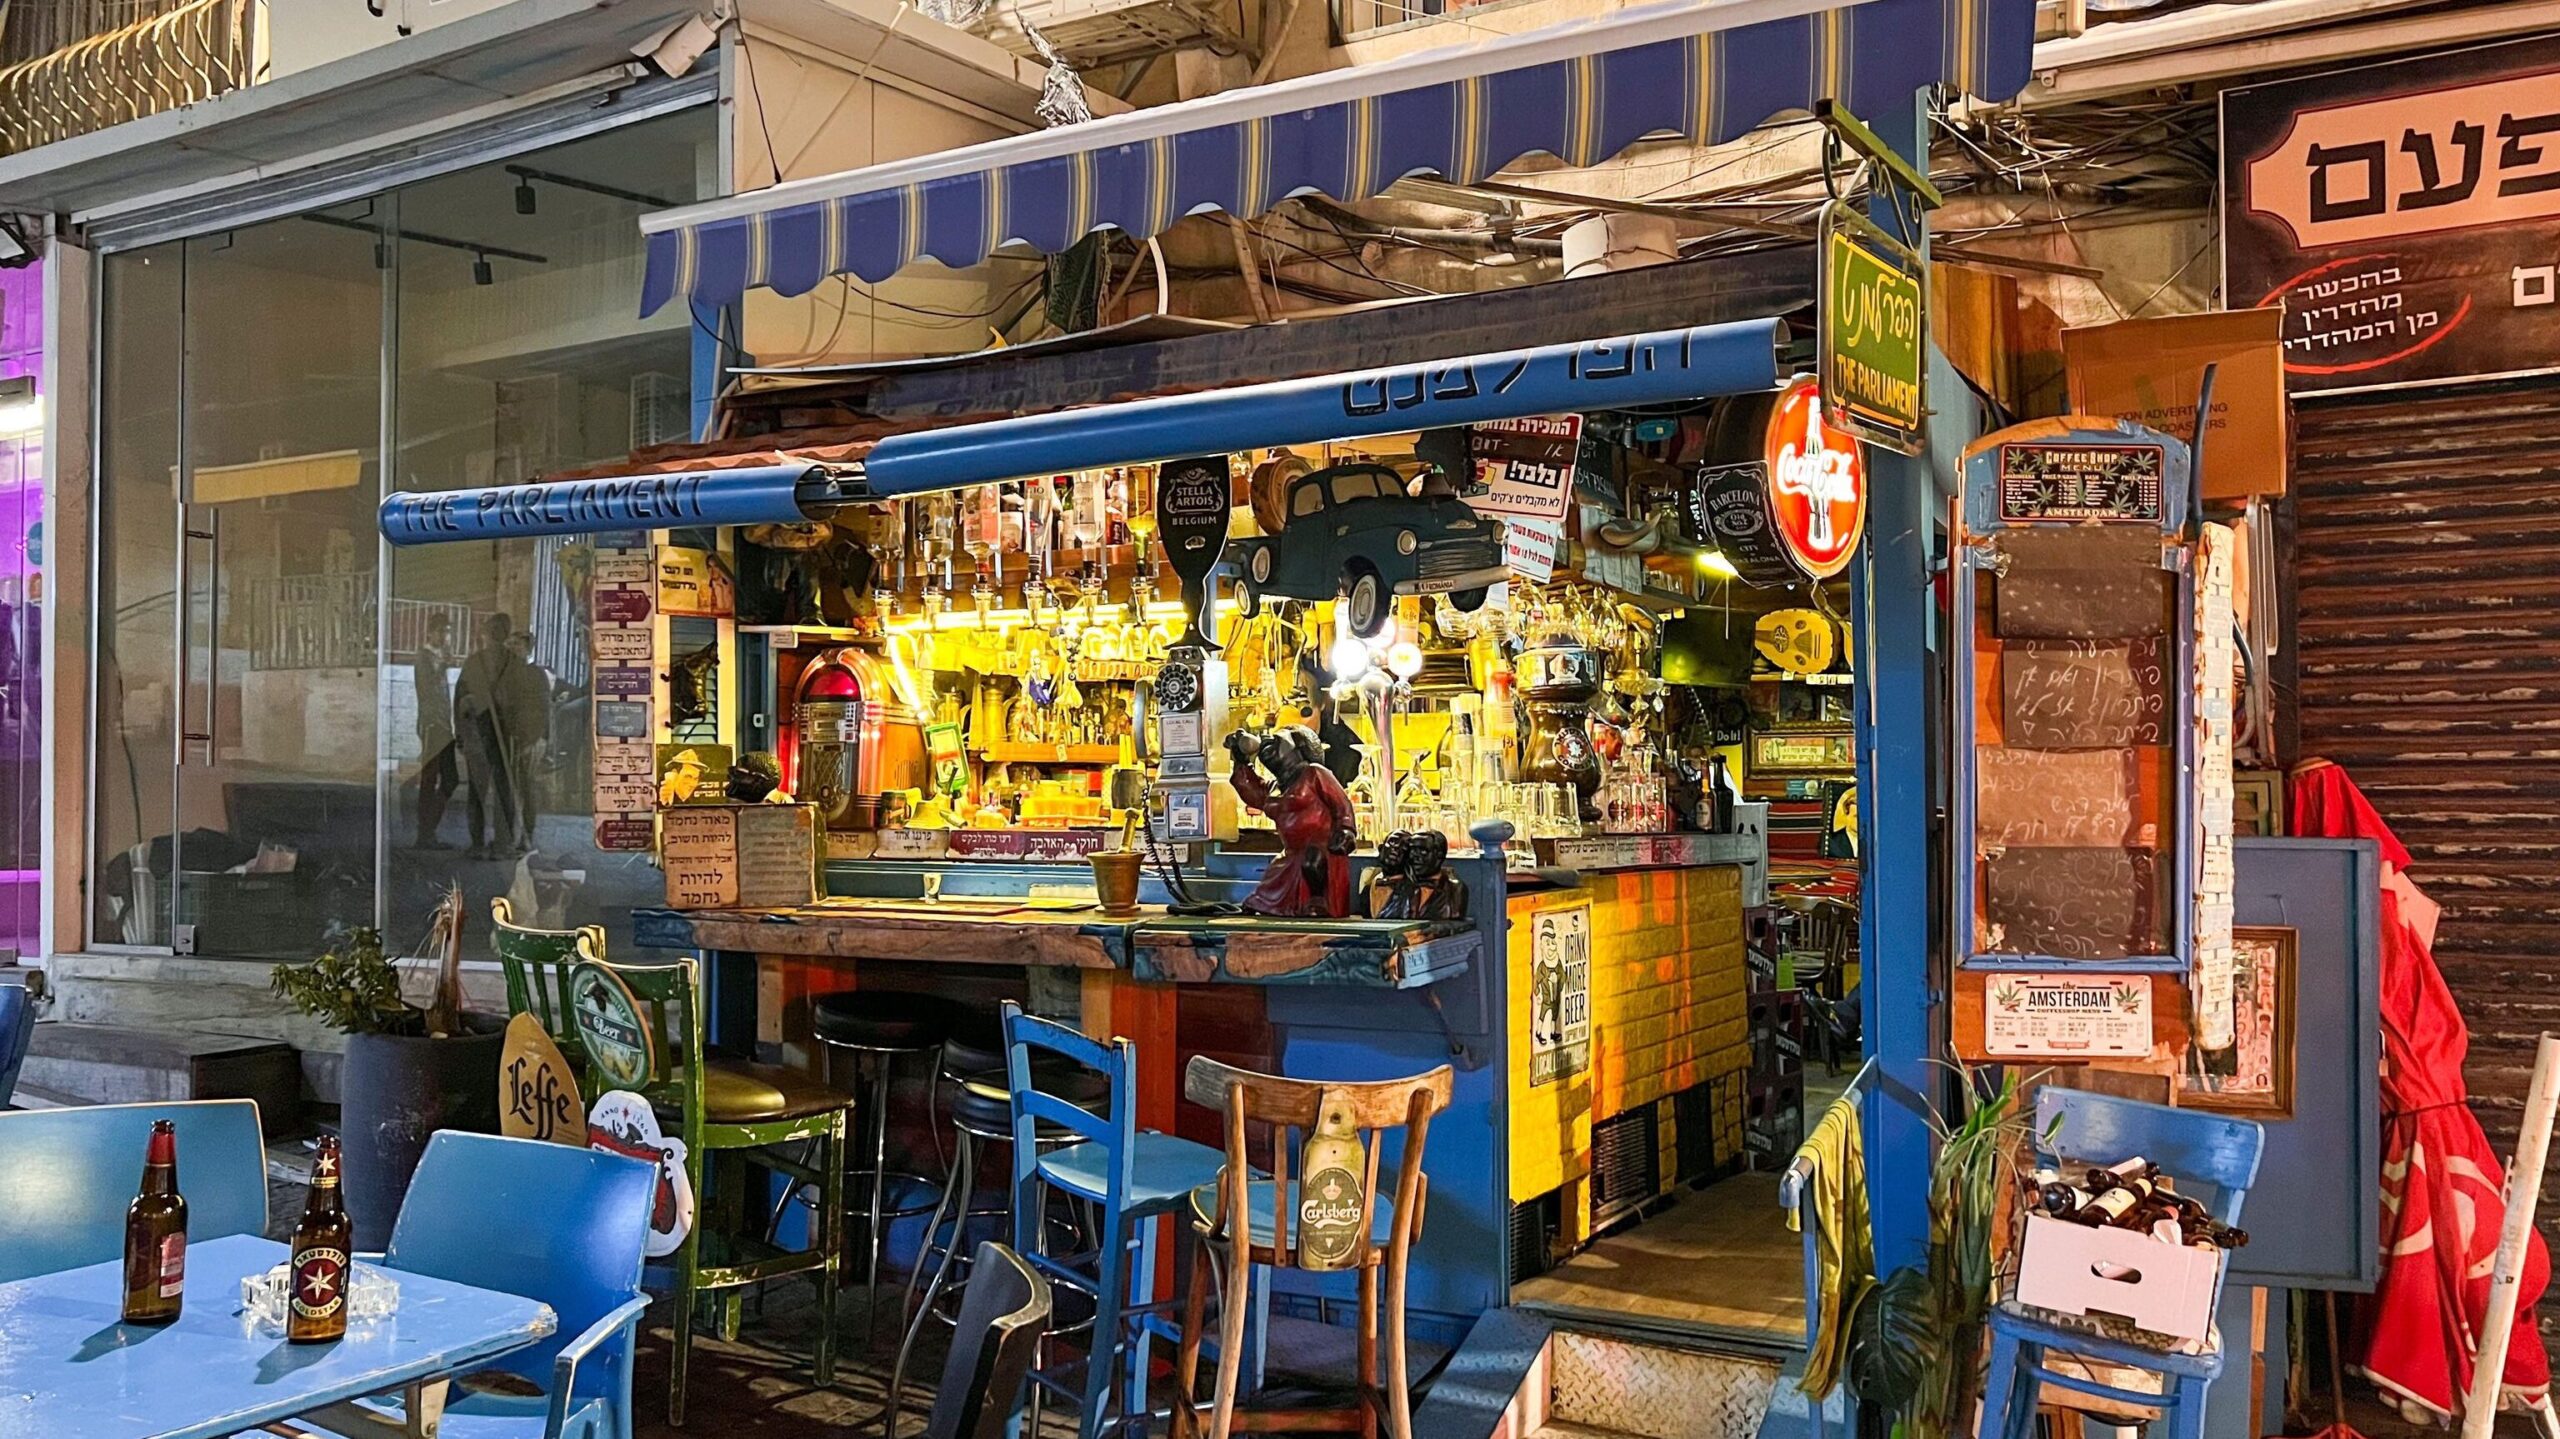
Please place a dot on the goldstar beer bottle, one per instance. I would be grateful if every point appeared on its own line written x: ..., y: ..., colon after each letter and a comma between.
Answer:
x: 155, y: 1235
x: 322, y: 1268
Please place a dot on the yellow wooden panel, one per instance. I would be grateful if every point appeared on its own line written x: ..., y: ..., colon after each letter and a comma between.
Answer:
x: 291, y: 475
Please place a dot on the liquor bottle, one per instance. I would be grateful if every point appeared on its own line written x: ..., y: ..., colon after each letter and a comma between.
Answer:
x: 155, y: 1235
x: 322, y: 1271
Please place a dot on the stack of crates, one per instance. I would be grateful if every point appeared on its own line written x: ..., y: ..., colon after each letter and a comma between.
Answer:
x: 1773, y: 1115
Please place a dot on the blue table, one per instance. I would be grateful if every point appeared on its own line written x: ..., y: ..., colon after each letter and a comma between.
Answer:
x: 68, y: 1366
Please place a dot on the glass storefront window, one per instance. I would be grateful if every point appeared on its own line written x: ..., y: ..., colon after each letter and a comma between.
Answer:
x: 294, y: 731
x: 513, y: 362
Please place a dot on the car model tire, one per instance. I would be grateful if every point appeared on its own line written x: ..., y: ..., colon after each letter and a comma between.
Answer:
x: 1364, y: 602
x: 1248, y: 598
x: 1258, y: 568
x: 1470, y: 601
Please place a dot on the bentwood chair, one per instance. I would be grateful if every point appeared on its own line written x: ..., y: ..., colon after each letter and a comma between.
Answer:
x: 759, y: 1114
x: 1133, y: 1177
x: 64, y: 1172
x: 537, y: 963
x: 2210, y: 1151
x: 1260, y: 1222
x: 549, y: 1222
x: 984, y: 1375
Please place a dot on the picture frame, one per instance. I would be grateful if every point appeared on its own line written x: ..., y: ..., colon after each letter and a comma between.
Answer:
x: 2265, y: 960
x: 1823, y: 750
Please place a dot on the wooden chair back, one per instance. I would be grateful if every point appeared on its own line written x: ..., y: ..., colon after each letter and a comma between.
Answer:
x: 537, y: 964
x: 1284, y: 1112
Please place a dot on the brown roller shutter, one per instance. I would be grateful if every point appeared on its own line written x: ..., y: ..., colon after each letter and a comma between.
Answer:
x: 2429, y: 652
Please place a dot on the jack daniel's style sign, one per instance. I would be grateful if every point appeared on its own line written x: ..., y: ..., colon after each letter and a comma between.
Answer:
x: 2406, y: 215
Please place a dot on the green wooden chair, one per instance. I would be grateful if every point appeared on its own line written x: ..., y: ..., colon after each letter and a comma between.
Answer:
x: 537, y: 964
x: 642, y: 1028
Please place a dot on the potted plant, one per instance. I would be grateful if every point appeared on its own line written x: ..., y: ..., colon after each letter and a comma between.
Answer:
x: 1915, y: 1336
x: 410, y: 1069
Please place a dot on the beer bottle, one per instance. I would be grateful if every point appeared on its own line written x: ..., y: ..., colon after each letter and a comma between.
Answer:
x: 155, y: 1235
x: 322, y: 1269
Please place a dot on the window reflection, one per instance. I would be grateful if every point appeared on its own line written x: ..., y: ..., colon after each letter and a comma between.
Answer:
x: 515, y: 361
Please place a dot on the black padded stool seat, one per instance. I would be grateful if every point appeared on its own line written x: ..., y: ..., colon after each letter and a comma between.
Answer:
x: 739, y: 1093
x: 974, y: 1046
x: 984, y: 1101
x: 882, y: 1019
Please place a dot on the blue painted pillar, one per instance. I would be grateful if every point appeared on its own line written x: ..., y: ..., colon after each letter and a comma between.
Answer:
x: 1890, y: 599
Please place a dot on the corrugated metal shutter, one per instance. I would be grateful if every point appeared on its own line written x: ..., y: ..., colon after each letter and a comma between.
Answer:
x: 2429, y: 653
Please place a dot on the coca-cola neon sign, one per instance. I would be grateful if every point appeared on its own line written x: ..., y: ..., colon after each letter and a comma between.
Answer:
x: 1817, y: 482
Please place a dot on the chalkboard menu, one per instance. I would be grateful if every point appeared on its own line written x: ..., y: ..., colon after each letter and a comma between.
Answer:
x: 2073, y: 799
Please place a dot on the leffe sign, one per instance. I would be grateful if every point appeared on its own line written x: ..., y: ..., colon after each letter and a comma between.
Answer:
x: 2406, y: 216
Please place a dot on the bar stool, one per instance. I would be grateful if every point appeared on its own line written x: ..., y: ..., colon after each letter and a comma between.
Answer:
x: 882, y: 1026
x: 981, y: 1107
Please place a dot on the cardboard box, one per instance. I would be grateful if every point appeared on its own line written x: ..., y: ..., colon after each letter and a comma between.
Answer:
x: 2148, y: 370
x: 2166, y: 1289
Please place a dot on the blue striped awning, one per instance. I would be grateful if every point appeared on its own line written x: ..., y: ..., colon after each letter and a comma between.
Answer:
x: 1709, y: 70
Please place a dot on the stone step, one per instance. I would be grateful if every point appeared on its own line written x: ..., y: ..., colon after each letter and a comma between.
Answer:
x: 125, y: 1064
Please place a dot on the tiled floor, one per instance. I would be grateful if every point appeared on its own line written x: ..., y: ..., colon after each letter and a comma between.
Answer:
x: 1720, y: 1258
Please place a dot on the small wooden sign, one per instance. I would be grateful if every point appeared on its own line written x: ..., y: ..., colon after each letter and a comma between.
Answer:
x: 537, y: 1090
x: 739, y: 856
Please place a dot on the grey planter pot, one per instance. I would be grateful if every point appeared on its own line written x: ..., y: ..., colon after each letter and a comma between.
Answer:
x: 395, y: 1092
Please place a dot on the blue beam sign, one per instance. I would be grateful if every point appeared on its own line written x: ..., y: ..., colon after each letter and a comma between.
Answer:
x: 1650, y: 369
x: 751, y: 495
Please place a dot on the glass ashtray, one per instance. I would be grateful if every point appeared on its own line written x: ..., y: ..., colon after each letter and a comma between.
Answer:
x: 375, y: 1295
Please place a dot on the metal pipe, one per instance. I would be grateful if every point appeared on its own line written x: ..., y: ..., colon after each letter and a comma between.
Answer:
x: 749, y: 495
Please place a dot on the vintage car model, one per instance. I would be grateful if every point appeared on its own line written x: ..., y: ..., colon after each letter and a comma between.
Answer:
x: 1354, y: 533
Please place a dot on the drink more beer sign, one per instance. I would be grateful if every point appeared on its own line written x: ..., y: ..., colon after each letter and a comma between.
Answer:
x: 1870, y: 331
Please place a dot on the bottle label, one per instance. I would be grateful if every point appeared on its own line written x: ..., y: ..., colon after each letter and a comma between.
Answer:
x: 173, y: 1264
x: 319, y: 1283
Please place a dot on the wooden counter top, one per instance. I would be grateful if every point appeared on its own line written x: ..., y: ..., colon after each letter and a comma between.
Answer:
x: 955, y: 931
x: 1362, y: 953
x: 1153, y: 946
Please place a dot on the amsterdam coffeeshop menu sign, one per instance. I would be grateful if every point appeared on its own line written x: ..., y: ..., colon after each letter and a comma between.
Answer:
x: 2406, y: 215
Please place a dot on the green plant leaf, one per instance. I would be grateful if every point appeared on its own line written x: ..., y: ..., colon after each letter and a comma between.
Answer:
x: 1892, y: 1337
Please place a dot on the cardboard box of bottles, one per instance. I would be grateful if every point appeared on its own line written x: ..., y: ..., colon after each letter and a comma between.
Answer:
x: 2157, y: 1286
x: 739, y: 856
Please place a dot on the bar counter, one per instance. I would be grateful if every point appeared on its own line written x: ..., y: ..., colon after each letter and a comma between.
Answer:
x: 1353, y: 999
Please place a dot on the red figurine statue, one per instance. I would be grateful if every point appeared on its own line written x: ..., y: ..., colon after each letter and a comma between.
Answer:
x: 1312, y: 877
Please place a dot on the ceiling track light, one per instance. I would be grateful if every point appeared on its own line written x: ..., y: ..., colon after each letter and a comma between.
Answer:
x: 526, y: 202
x: 481, y: 272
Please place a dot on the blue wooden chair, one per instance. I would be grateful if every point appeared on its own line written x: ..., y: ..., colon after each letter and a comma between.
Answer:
x: 542, y: 1221
x: 65, y: 1175
x: 17, y: 1031
x: 1133, y: 1177
x: 2205, y: 1152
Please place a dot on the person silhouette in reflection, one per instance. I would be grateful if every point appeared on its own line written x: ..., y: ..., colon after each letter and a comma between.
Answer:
x: 485, y: 759
x: 439, y: 763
